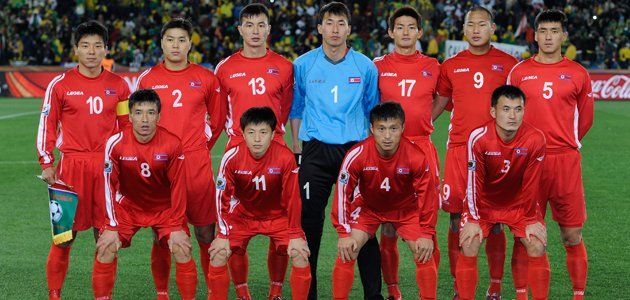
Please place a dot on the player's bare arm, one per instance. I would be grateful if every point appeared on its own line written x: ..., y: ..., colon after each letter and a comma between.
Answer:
x: 439, y: 103
x: 49, y: 175
x: 295, y: 129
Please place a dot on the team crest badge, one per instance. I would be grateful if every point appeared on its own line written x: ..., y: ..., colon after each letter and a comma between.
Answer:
x: 564, y: 77
x: 402, y: 170
x: 110, y: 92
x: 274, y: 170
x: 161, y: 157
x: 195, y: 84
x: 520, y: 151
x: 497, y: 68
x: 220, y: 183
x: 273, y: 71
x: 344, y: 177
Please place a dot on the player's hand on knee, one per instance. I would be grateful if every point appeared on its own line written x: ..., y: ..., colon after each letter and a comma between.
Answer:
x: 538, y: 230
x: 298, y: 247
x: 108, y: 243
x: 49, y: 175
x: 423, y: 249
x: 219, y: 247
x: 469, y: 232
x: 179, y: 241
x: 347, y: 247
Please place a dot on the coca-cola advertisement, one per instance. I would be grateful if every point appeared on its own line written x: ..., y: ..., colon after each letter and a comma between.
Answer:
x: 610, y: 86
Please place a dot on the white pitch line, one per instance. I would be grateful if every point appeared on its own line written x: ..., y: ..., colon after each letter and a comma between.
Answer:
x: 19, y: 115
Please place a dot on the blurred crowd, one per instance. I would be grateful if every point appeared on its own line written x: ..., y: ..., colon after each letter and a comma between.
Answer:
x: 39, y: 32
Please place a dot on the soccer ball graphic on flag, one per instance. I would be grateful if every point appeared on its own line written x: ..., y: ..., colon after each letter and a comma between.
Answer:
x: 55, y: 211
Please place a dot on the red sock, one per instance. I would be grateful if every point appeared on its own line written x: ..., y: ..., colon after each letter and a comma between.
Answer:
x: 239, y: 266
x: 57, y: 266
x: 343, y: 276
x: 277, y: 265
x: 495, y: 250
x: 389, y: 264
x: 103, y: 278
x: 160, y: 268
x: 426, y: 278
x: 519, y: 269
x: 436, y: 252
x: 204, y: 260
x: 219, y: 282
x: 453, y: 253
x: 186, y: 279
x: 538, y: 277
x: 577, y: 264
x: 466, y: 277
x: 300, y: 281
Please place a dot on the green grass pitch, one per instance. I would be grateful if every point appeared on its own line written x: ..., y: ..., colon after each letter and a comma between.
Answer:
x: 26, y: 231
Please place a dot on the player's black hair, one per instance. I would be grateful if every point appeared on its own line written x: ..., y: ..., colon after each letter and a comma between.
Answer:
x: 90, y: 28
x: 480, y: 9
x: 259, y: 115
x: 389, y: 110
x: 333, y: 8
x: 180, y: 23
x: 253, y: 9
x: 145, y: 95
x: 508, y: 91
x: 551, y: 16
x: 405, y: 11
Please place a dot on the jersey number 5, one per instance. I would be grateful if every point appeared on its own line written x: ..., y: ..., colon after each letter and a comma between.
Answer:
x: 547, y: 90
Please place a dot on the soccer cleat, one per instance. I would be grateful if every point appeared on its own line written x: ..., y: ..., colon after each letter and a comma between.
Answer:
x: 493, y: 296
x: 456, y: 296
x: 54, y: 294
x: 276, y: 297
x: 393, y: 298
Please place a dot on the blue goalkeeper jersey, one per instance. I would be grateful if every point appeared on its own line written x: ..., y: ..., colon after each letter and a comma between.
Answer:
x: 334, y: 99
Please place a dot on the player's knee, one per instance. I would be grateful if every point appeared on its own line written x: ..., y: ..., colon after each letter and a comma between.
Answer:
x: 298, y: 260
x: 205, y: 234
x: 571, y: 236
x: 472, y: 249
x: 535, y: 248
x: 219, y: 259
x: 107, y: 254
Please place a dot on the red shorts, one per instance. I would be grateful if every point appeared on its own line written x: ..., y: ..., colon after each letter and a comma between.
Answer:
x: 562, y: 188
x: 200, y: 205
x: 404, y: 221
x: 434, y: 165
x: 243, y: 229
x: 235, y: 140
x: 84, y: 172
x: 131, y: 220
x: 455, y: 174
x: 513, y: 218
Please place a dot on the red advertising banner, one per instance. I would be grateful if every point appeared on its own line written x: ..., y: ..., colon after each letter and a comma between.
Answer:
x: 610, y: 85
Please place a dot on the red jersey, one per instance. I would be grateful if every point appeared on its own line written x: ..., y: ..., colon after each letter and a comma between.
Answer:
x: 385, y: 184
x: 261, y: 189
x: 79, y: 113
x: 559, y: 100
x: 147, y: 177
x: 504, y: 175
x: 188, y: 96
x: 411, y: 81
x: 252, y: 82
x: 469, y: 81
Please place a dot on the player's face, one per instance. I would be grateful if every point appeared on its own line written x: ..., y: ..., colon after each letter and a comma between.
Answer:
x: 91, y: 50
x: 255, y: 30
x: 508, y: 113
x: 405, y: 32
x: 334, y: 30
x: 144, y: 117
x: 176, y: 45
x: 387, y: 135
x: 258, y: 138
x: 478, y: 28
x: 550, y: 37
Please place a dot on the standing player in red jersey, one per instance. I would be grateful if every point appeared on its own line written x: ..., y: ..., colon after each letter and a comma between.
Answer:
x: 189, y: 95
x: 258, y: 193
x: 560, y: 102
x: 467, y: 81
x: 505, y: 158
x: 81, y: 108
x: 392, y: 175
x: 255, y: 76
x: 409, y: 78
x: 144, y: 187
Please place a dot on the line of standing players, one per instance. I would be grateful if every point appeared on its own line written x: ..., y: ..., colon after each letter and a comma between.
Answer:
x: 155, y: 146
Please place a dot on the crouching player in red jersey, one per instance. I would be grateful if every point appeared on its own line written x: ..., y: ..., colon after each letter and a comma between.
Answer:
x: 504, y: 170
x: 392, y: 176
x: 258, y: 193
x: 144, y: 187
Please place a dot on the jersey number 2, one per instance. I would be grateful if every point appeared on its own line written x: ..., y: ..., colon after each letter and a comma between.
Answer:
x: 178, y: 97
